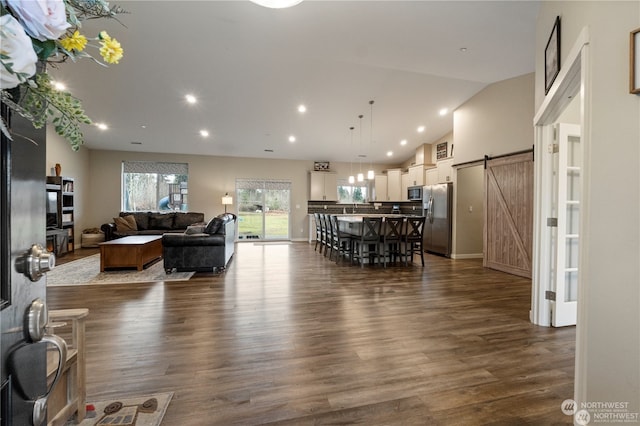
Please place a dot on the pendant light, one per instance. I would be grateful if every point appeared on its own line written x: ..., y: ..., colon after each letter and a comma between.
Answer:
x: 352, y: 178
x: 371, y: 173
x: 360, y: 175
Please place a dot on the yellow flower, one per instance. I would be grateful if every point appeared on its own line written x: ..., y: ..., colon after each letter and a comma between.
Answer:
x: 75, y: 42
x: 111, y: 50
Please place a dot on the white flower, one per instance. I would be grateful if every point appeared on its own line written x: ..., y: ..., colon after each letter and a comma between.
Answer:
x: 18, y: 57
x: 41, y: 19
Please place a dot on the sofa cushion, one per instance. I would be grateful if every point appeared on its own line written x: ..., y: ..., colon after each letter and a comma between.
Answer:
x: 142, y: 219
x: 125, y: 223
x: 214, y: 225
x: 183, y: 219
x: 161, y: 221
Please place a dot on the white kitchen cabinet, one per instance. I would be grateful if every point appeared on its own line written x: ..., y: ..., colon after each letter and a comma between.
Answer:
x: 324, y: 186
x: 431, y: 176
x: 445, y: 170
x: 416, y: 175
x: 394, y: 184
x: 405, y: 185
x: 381, y: 182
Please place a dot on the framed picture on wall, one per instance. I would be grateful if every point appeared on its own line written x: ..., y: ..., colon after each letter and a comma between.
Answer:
x: 321, y: 166
x: 552, y: 56
x: 634, y: 62
x: 441, y: 150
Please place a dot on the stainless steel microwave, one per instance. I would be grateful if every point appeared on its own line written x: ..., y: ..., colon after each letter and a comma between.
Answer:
x: 414, y: 193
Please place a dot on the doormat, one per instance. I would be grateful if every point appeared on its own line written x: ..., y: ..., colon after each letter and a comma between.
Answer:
x: 145, y: 410
x: 86, y: 271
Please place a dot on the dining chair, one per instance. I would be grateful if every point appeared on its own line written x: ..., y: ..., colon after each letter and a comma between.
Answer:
x: 342, y: 242
x: 316, y: 218
x: 412, y: 238
x: 390, y: 239
x: 367, y: 245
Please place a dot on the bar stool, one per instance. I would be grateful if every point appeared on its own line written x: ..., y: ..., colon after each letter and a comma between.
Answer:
x: 323, y: 233
x: 369, y: 238
x: 316, y: 218
x: 412, y: 238
x: 342, y: 242
x: 390, y: 238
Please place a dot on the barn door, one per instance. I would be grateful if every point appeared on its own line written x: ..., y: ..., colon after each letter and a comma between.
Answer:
x: 508, y: 228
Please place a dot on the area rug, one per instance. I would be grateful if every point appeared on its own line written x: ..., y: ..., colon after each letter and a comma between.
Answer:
x: 86, y: 271
x: 145, y: 410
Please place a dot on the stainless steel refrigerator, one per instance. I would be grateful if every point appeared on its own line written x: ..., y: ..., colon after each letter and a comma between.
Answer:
x: 436, y: 207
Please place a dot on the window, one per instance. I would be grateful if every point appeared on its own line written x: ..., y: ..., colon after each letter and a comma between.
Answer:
x: 352, y: 193
x: 154, y: 186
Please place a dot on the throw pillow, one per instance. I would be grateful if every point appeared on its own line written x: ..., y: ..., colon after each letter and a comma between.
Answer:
x: 141, y: 218
x: 124, y: 224
x: 194, y: 229
x: 161, y: 221
x: 213, y: 226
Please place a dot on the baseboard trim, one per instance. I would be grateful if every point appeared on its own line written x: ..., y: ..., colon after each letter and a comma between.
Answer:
x: 468, y: 256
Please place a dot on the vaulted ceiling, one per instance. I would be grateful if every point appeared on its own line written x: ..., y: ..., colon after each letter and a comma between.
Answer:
x: 251, y: 67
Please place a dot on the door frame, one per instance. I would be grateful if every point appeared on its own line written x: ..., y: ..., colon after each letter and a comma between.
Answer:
x: 574, y: 79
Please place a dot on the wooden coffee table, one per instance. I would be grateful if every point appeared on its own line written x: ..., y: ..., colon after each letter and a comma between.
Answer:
x: 134, y: 251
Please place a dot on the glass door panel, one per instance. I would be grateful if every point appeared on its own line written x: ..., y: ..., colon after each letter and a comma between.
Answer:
x: 264, y: 209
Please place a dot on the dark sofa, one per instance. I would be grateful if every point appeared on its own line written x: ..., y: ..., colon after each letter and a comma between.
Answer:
x: 150, y: 223
x: 201, y: 248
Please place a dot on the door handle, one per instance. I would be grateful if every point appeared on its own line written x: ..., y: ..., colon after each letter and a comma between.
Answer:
x: 40, y: 404
x: 36, y: 322
x: 36, y: 262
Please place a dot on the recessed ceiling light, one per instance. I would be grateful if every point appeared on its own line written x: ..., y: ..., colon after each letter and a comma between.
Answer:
x: 276, y: 4
x: 302, y: 109
x: 144, y: 126
x: 389, y: 153
x: 444, y: 111
x: 102, y: 126
x: 292, y: 138
x: 421, y: 129
x: 463, y: 49
x: 403, y: 142
x: 191, y: 99
x: 59, y: 86
x: 204, y: 133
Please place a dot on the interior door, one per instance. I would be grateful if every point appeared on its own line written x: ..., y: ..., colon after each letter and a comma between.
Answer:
x: 564, y: 224
x: 508, y: 229
x: 23, y: 309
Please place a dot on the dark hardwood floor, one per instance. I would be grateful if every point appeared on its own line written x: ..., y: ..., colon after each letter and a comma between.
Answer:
x: 288, y: 337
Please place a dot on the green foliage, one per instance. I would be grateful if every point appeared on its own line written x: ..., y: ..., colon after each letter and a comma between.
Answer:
x: 41, y: 102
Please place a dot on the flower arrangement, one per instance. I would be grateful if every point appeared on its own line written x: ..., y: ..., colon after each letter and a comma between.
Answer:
x: 37, y: 33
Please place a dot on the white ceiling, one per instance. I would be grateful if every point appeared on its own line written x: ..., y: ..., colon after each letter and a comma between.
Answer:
x: 251, y: 66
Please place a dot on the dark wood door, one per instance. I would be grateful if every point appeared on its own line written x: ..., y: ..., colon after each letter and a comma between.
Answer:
x: 508, y: 228
x: 22, y: 223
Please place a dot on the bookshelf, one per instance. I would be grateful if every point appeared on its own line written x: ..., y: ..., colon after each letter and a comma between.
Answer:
x: 66, y: 207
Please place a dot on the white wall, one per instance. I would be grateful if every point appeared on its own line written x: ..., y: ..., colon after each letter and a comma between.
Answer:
x: 497, y: 120
x: 608, y: 330
x: 74, y: 165
x: 469, y: 214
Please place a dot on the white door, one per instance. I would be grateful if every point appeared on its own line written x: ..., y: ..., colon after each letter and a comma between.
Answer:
x: 567, y: 163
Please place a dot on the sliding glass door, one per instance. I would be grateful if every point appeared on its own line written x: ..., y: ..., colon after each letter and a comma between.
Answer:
x: 263, y: 209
